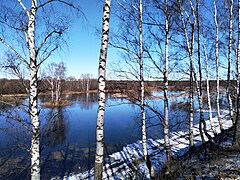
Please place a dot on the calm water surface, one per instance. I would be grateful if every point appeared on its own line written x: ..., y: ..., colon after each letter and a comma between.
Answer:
x: 68, y: 139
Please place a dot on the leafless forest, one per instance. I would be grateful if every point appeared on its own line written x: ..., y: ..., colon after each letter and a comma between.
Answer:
x: 192, y: 46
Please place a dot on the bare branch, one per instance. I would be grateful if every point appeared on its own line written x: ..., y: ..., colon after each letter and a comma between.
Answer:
x: 15, y: 52
x: 14, y: 105
x: 13, y: 27
x: 154, y: 62
x: 47, y: 37
x: 121, y: 47
x: 24, y: 8
x: 61, y: 1
x: 124, y: 8
x: 47, y: 56
x: 22, y: 123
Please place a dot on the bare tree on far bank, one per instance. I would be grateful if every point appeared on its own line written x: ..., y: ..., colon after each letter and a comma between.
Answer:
x: 86, y: 81
x: 54, y: 75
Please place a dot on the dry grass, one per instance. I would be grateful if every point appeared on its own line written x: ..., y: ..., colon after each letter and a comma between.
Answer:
x: 62, y: 103
x: 208, y: 161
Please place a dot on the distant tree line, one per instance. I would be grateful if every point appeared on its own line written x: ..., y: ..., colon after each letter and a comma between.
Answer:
x: 16, y: 86
x: 87, y: 82
x: 154, y: 38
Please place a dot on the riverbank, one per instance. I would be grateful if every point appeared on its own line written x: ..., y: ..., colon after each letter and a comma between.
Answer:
x: 209, y: 161
x: 128, y: 163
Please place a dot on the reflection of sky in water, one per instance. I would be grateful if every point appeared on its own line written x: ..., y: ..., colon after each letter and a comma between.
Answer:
x: 118, y: 126
x: 73, y: 127
x: 122, y: 119
x: 160, y: 93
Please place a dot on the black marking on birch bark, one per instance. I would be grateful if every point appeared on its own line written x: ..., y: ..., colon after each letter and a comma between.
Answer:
x: 103, y: 62
x: 101, y: 140
x: 99, y: 155
x: 106, y: 7
x: 102, y: 68
x: 101, y: 91
x: 101, y: 109
x: 105, y: 32
x: 99, y: 127
x: 35, y: 78
x: 101, y: 52
x: 36, y: 136
x: 101, y: 79
x: 103, y: 101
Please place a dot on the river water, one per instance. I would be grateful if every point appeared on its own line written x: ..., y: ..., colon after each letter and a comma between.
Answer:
x: 68, y: 133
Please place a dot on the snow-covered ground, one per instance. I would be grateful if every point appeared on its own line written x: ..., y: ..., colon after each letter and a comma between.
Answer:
x: 129, y: 160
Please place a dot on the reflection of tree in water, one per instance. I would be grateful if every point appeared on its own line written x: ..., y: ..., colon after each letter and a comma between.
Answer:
x: 4, y: 107
x: 88, y: 100
x: 8, y: 103
x: 15, y: 136
x: 177, y: 106
x: 222, y: 101
x: 54, y: 132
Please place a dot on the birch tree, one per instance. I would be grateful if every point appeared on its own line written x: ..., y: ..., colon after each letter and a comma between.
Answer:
x: 86, y: 80
x: 217, y: 64
x: 129, y: 40
x: 166, y: 106
x: 237, y: 121
x: 33, y: 39
x: 199, y: 85
x: 60, y: 74
x: 144, y: 133
x: 193, y: 75
x: 199, y: 49
x: 50, y: 77
x: 101, y: 92
x: 142, y: 96
x: 190, y: 52
x: 161, y: 61
x: 207, y: 89
x: 230, y: 59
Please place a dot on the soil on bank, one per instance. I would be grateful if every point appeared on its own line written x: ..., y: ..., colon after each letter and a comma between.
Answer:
x: 208, y: 161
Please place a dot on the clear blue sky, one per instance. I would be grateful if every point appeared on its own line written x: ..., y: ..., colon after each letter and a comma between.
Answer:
x: 84, y: 44
x: 82, y: 54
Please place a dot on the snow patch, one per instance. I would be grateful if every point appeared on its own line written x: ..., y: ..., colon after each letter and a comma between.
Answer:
x: 129, y: 161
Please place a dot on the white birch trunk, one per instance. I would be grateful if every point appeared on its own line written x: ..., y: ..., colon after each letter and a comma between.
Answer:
x: 199, y: 48
x: 144, y: 134
x: 237, y: 122
x: 230, y: 60
x: 51, y: 82
x: 217, y: 67
x: 190, y: 78
x: 208, y: 92
x: 87, y: 85
x: 56, y: 93
x: 200, y: 100
x: 193, y: 76
x: 33, y: 97
x: 166, y: 119
x: 52, y: 89
x: 199, y: 88
x: 59, y: 90
x: 101, y: 92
